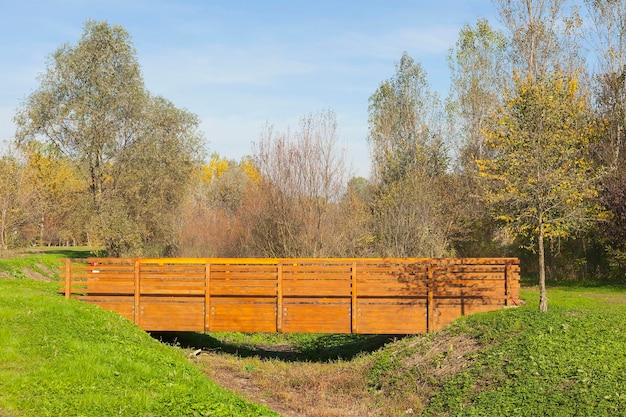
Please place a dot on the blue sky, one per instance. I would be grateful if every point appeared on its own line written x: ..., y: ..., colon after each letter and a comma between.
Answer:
x: 241, y: 64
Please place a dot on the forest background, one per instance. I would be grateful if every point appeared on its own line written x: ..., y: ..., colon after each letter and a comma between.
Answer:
x: 525, y: 157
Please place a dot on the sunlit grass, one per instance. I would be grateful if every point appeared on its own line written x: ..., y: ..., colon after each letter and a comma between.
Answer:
x: 63, y: 357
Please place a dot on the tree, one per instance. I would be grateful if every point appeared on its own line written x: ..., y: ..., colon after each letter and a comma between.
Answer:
x: 478, y: 65
x: 303, y: 177
x: 479, y: 73
x: 405, y: 125
x: 93, y: 107
x: 543, y: 37
x: 408, y: 156
x: 56, y: 212
x: 607, y: 35
x: 542, y: 182
x: 11, y: 203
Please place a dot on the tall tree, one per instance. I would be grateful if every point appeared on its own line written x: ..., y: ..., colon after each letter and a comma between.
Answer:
x: 480, y: 70
x: 405, y: 125
x: 541, y: 177
x: 92, y: 105
x: 607, y: 35
x: 408, y: 157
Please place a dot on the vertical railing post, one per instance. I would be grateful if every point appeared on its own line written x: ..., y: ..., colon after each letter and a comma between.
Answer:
x: 279, y: 297
x: 353, y: 305
x: 137, y: 311
x: 68, y: 278
x: 507, y: 283
x: 207, y: 297
x: 430, y: 301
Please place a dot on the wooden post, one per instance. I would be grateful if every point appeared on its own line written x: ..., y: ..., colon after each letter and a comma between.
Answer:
x: 137, y: 312
x: 68, y: 278
x: 507, y: 283
x: 353, y: 306
x: 207, y: 296
x: 430, y: 302
x: 279, y: 297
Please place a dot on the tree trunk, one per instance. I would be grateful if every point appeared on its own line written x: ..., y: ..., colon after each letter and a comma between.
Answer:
x: 543, y: 297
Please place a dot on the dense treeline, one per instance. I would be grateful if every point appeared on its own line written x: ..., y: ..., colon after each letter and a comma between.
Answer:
x: 524, y: 157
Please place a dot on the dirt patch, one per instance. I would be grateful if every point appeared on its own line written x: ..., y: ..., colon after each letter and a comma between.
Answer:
x: 35, y: 275
x: 293, y: 388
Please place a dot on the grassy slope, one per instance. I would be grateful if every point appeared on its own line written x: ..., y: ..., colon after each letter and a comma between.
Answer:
x: 570, y: 361
x: 516, y: 362
x: 65, y: 357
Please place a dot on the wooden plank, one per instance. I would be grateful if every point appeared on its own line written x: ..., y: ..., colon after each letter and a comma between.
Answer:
x: 353, y: 302
x: 243, y: 287
x: 279, y: 298
x: 392, y: 316
x: 172, y: 313
x: 107, y: 287
x: 243, y: 314
x: 239, y: 275
x: 391, y: 287
x: 316, y: 315
x: 430, y: 305
x: 327, y: 319
x: 137, y: 295
x: 68, y: 278
x: 207, y: 297
x: 317, y: 288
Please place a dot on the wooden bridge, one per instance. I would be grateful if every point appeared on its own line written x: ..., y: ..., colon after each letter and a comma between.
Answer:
x: 368, y: 296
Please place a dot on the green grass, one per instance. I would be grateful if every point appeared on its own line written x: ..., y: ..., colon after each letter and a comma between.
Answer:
x: 570, y: 361
x: 43, y: 262
x: 65, y: 357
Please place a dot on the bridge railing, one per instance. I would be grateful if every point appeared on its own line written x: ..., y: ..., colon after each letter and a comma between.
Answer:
x: 347, y: 295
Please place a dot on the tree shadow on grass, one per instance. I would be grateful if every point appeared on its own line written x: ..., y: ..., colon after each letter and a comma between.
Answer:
x: 315, y: 348
x: 62, y: 252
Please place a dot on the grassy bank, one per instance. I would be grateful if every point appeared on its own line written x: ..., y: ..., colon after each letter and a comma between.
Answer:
x: 67, y: 358
x: 516, y: 362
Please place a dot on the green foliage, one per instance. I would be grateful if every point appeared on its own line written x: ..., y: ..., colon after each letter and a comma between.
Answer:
x: 65, y: 357
x: 541, y: 172
x: 134, y: 152
x: 408, y: 159
x: 404, y: 125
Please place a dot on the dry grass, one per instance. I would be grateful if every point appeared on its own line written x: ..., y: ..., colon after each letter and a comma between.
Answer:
x: 293, y: 388
x: 396, y: 380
